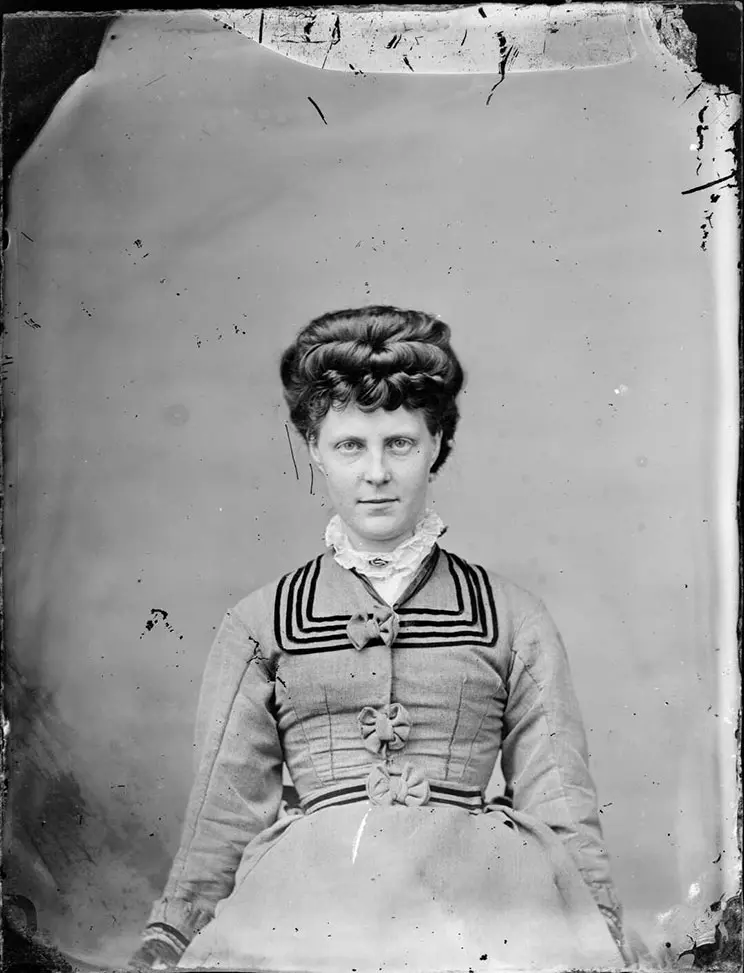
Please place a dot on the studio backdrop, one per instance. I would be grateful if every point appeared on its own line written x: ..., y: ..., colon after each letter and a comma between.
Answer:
x: 218, y: 180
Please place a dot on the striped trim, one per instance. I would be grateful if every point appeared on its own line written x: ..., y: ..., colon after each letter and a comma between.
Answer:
x: 161, y: 932
x: 440, y: 792
x: 299, y: 629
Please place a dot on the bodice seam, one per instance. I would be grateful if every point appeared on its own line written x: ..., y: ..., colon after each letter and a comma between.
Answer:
x: 331, y: 767
x: 451, y: 742
x: 311, y: 756
x: 486, y: 711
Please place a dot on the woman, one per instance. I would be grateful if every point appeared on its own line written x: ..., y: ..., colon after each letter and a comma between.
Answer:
x: 389, y: 675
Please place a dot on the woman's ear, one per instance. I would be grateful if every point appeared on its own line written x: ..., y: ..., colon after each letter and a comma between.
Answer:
x: 435, y: 453
x: 312, y: 446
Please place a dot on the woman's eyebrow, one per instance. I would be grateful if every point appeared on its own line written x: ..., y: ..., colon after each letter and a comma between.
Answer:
x: 349, y: 438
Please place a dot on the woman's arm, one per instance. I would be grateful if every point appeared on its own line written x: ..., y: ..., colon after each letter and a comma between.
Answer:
x: 545, y: 758
x: 237, y: 791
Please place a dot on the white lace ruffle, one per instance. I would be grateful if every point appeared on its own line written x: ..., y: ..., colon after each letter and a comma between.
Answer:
x: 384, y: 565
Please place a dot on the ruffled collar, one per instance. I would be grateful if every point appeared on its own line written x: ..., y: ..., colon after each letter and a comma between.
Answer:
x: 382, y: 565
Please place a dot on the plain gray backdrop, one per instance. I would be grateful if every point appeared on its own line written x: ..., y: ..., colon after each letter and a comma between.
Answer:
x: 184, y: 211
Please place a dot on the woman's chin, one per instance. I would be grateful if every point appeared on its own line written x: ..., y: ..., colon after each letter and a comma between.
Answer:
x: 380, y: 528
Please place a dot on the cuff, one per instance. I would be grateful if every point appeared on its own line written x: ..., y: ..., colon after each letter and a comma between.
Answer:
x: 158, y: 933
x: 609, y: 905
x: 178, y: 919
x: 614, y: 924
x: 156, y: 954
x: 612, y: 912
x: 607, y: 901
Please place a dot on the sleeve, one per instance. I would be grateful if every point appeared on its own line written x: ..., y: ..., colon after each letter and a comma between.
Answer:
x: 545, y: 758
x: 237, y: 788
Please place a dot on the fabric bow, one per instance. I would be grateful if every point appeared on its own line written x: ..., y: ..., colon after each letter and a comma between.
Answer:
x: 411, y: 788
x: 388, y: 727
x: 382, y: 624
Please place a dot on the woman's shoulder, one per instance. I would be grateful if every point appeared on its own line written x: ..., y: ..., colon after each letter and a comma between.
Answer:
x: 259, y: 604
x: 524, y: 621
x: 508, y: 595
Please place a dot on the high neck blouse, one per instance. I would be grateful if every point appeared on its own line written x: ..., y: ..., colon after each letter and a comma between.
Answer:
x: 389, y: 572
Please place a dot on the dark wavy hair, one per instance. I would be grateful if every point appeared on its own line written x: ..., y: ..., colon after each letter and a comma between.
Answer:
x: 375, y: 357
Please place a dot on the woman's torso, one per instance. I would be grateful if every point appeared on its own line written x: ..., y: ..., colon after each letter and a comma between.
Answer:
x: 434, y: 699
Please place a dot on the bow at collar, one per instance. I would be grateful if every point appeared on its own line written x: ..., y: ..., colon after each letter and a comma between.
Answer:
x: 382, y: 624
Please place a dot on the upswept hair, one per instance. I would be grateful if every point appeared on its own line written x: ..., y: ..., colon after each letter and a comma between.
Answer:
x: 374, y: 357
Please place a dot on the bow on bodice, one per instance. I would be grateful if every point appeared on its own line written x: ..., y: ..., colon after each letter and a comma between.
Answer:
x: 410, y: 788
x: 382, y: 623
x: 387, y: 727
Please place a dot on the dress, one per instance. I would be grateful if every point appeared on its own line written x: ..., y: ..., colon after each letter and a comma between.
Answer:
x: 390, y: 721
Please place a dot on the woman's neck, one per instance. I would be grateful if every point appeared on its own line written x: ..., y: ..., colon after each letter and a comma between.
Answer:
x: 375, y: 546
x: 407, y: 552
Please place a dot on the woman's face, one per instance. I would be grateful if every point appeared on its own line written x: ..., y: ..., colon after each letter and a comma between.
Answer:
x: 376, y: 466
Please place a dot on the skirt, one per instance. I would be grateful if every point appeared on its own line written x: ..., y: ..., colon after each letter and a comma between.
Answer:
x: 429, y: 889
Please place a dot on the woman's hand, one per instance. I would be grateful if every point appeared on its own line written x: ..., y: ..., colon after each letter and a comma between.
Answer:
x: 154, y: 955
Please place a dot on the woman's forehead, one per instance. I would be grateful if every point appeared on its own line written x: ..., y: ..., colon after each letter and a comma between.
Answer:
x: 380, y: 422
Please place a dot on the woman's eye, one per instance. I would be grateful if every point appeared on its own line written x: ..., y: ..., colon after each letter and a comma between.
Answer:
x: 401, y: 445
x: 348, y: 447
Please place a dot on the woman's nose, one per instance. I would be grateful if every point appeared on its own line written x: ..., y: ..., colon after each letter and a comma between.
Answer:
x: 376, y: 469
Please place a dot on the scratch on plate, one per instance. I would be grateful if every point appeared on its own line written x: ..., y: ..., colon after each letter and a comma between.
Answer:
x: 506, y: 53
x: 159, y: 615
x: 335, y: 38
x: 700, y: 137
x: 316, y: 106
x: 294, y: 461
x: 707, y: 185
x: 707, y: 225
x: 358, y: 838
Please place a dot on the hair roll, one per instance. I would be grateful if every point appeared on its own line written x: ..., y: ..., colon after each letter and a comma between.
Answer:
x: 375, y: 357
